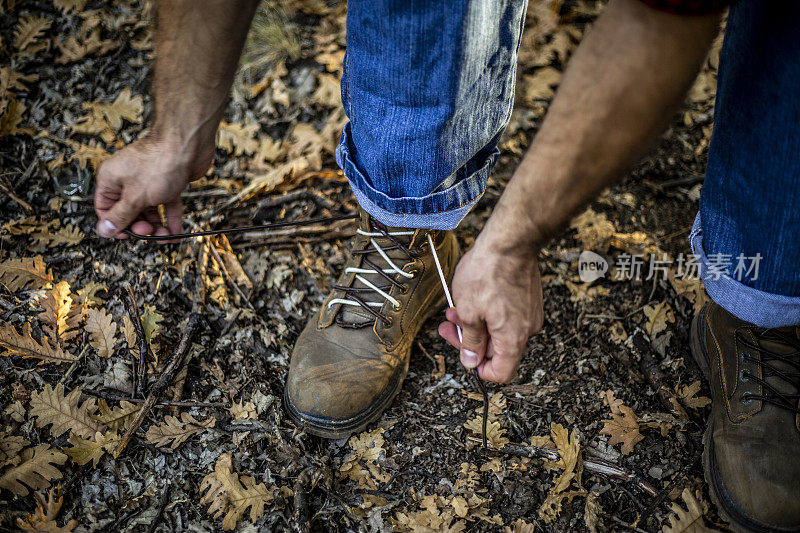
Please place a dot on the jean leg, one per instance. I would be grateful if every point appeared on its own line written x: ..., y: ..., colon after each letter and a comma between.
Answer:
x: 428, y: 87
x: 749, y: 220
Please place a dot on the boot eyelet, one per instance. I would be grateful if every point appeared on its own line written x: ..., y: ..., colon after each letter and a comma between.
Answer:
x: 397, y: 307
x: 388, y: 322
x: 745, y: 398
x: 403, y: 289
x: 744, y: 375
x: 413, y: 273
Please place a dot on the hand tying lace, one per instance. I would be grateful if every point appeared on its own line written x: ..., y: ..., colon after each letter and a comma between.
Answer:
x: 388, y: 271
x: 784, y: 366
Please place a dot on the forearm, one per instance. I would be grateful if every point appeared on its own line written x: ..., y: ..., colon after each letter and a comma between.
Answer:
x: 198, y: 45
x: 622, y: 86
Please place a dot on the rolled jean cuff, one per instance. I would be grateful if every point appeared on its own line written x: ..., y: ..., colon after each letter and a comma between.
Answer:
x: 763, y: 309
x: 441, y: 210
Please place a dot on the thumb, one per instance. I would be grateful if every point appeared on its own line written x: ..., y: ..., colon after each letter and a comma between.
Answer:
x: 473, y: 343
x: 117, y: 218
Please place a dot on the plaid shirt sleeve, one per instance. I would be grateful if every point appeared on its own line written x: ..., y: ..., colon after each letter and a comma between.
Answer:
x: 688, y: 7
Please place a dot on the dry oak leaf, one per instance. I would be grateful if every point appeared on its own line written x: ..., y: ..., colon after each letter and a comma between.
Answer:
x: 13, y: 81
x: 18, y: 272
x: 116, y: 418
x: 85, y: 450
x: 328, y: 91
x: 73, y: 49
x: 230, y: 494
x: 612, y: 401
x: 51, y: 406
x: 43, y: 518
x: 689, y: 520
x: 690, y: 288
x: 539, y: 86
x: 580, y: 292
x: 124, y: 107
x: 90, y: 155
x: 70, y: 5
x: 35, y: 470
x: 11, y: 118
x: 151, y: 322
x: 687, y: 393
x: 24, y: 345
x: 243, y: 410
x: 238, y: 139
x: 102, y: 331
x: 571, y: 466
x: 623, y: 429
x: 28, y: 32
x: 593, y: 229
x: 495, y: 433
x: 658, y: 316
x: 519, y: 526
x: 16, y: 411
x: 56, y: 307
x: 362, y: 466
x: 10, y: 446
x: 173, y: 432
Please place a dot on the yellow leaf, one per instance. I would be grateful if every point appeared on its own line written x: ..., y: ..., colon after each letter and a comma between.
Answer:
x: 687, y: 393
x: 56, y: 305
x: 151, y: 322
x: 117, y: 418
x: 328, y: 91
x: 11, y: 118
x: 70, y: 5
x: 102, y: 331
x: 13, y: 81
x: 243, y: 410
x: 93, y: 449
x: 43, y: 518
x: 35, y: 471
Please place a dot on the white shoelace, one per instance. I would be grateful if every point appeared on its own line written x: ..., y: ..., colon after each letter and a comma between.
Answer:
x: 393, y: 269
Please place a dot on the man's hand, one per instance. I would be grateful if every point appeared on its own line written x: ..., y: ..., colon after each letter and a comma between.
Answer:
x: 133, y: 182
x: 498, y: 295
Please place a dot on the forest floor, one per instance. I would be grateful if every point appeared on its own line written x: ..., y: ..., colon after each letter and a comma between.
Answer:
x: 609, y: 380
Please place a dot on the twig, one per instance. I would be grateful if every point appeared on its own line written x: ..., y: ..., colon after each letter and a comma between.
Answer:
x: 140, y: 365
x: 167, y: 375
x: 300, y: 522
x: 184, y: 403
x: 22, y: 203
x: 228, y: 277
x: 663, y: 493
x: 595, y: 466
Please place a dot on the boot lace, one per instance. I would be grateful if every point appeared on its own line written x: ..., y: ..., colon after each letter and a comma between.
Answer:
x: 771, y: 394
x: 388, y: 271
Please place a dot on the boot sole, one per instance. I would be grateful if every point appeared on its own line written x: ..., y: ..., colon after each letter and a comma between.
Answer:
x: 726, y: 506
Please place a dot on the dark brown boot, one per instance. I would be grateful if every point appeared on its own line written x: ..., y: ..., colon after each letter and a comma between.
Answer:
x: 350, y: 360
x: 752, y: 443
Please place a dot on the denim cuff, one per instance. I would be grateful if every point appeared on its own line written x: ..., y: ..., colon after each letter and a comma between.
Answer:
x: 441, y: 210
x: 763, y: 309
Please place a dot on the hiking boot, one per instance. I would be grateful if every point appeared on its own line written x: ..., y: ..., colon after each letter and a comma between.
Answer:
x: 350, y: 360
x: 751, y: 448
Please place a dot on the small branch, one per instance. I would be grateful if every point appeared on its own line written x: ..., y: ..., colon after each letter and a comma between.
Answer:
x: 163, y: 381
x: 22, y: 203
x: 185, y: 403
x: 140, y: 365
x: 595, y: 466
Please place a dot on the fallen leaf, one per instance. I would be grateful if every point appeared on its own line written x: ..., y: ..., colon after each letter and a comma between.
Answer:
x: 689, y: 520
x: 594, y: 230
x: 37, y: 468
x: 85, y: 450
x: 17, y: 273
x: 539, y: 86
x: 173, y: 432
x: 24, y: 345
x: 658, y: 316
x: 623, y: 429
x: 688, y: 394
x: 64, y: 412
x: 43, y: 518
x: 27, y: 34
x: 102, y: 331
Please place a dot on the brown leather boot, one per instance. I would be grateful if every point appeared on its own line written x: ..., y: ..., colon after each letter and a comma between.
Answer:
x: 350, y: 360
x: 752, y: 443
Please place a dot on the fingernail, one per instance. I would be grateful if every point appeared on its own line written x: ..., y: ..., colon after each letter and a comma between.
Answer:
x: 469, y: 358
x: 107, y: 229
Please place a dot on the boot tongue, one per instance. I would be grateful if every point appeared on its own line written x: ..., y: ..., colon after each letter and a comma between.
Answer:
x: 357, y: 316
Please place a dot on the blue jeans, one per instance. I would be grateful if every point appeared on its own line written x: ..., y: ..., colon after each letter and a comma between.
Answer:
x: 750, y: 204
x: 429, y: 87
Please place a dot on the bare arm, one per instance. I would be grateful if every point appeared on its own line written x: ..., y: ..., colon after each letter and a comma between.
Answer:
x: 197, y: 52
x: 623, y: 84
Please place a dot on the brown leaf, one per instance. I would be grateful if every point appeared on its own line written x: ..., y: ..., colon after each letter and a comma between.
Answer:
x: 173, y: 432
x: 539, y: 86
x: 230, y: 494
x: 35, y: 471
x: 658, y: 316
x: 28, y: 32
x: 51, y: 406
x: 11, y: 118
x: 623, y: 429
x: 238, y: 139
x: 70, y: 5
x: 93, y: 449
x: 56, y: 304
x: 117, y: 418
x: 10, y: 446
x: 24, y: 345
x: 688, y: 393
x: 102, y: 331
x: 16, y: 273
x: 13, y: 81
